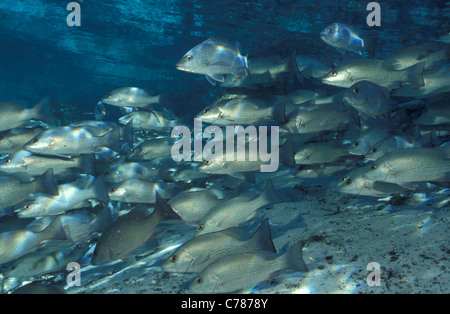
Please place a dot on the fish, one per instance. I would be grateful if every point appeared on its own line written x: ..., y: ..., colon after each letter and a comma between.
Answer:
x: 200, y: 251
x: 14, y: 191
x: 320, y: 170
x: 368, y: 98
x: 71, y: 195
x: 130, y: 231
x: 67, y: 141
x: 237, y: 271
x: 15, y: 116
x: 320, y: 152
x: 137, y: 191
x: 220, y: 164
x: 17, y: 243
x: 193, y: 204
x: 130, y: 97
x: 408, y: 56
x: 23, y: 161
x: 389, y: 144
x: 310, y: 67
x: 151, y: 148
x: 345, y: 38
x: 129, y: 170
x: 13, y: 140
x: 410, y: 166
x: 237, y: 210
x: 214, y: 58
x: 375, y: 71
x: 367, y: 138
x: 435, y: 82
x: 354, y: 182
x: 244, y: 111
x: 323, y: 118
x: 263, y: 70
x: 187, y: 172
x: 37, y: 263
x: 150, y: 120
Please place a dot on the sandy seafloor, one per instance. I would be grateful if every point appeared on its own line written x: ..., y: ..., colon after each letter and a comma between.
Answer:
x: 408, y: 237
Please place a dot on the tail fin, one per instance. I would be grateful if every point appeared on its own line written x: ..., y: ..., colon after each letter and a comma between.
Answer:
x: 45, y: 183
x: 262, y: 238
x: 291, y: 63
x: 415, y: 74
x: 278, y: 112
x: 287, y: 154
x: 165, y: 209
x: 99, y: 190
x: 43, y: 111
x: 113, y: 140
x: 87, y: 164
x: 268, y: 194
x: 293, y: 258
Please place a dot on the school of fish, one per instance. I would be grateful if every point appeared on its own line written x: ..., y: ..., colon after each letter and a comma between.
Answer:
x: 108, y: 187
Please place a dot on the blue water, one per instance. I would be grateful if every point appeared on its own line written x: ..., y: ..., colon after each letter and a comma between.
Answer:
x: 137, y: 43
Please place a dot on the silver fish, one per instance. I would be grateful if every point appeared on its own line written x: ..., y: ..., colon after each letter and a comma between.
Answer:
x: 234, y: 272
x: 215, y: 57
x: 13, y: 140
x: 262, y: 70
x: 130, y: 97
x: 375, y: 71
x: 324, y: 118
x: 71, y: 195
x: 345, y: 38
x: 150, y: 120
x: 320, y: 170
x: 248, y: 110
x: 321, y: 152
x: 138, y: 191
x: 405, y: 57
x: 408, y: 167
x: 69, y: 141
x: 129, y: 170
x: 237, y: 210
x: 195, y: 254
x: 193, y: 204
x: 152, y: 148
x: 354, y: 182
x: 368, y: 98
x: 24, y: 161
x: 435, y: 82
x: 14, y: 191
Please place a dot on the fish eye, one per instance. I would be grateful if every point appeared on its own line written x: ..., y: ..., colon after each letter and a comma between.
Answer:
x: 199, y: 280
x: 356, y: 144
x: 109, y: 95
x: 373, y: 167
x: 355, y: 90
x: 26, y: 207
x: 330, y: 30
x: 342, y: 179
x: 12, y: 268
x: 374, y: 150
x: 221, y: 96
x: 7, y: 160
x: 207, y: 162
x: 401, y: 84
x: 173, y: 258
x: 35, y: 140
x: 206, y: 111
x: 348, y: 182
x: 112, y: 190
x: 188, y: 58
x: 201, y: 227
x: 333, y: 73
